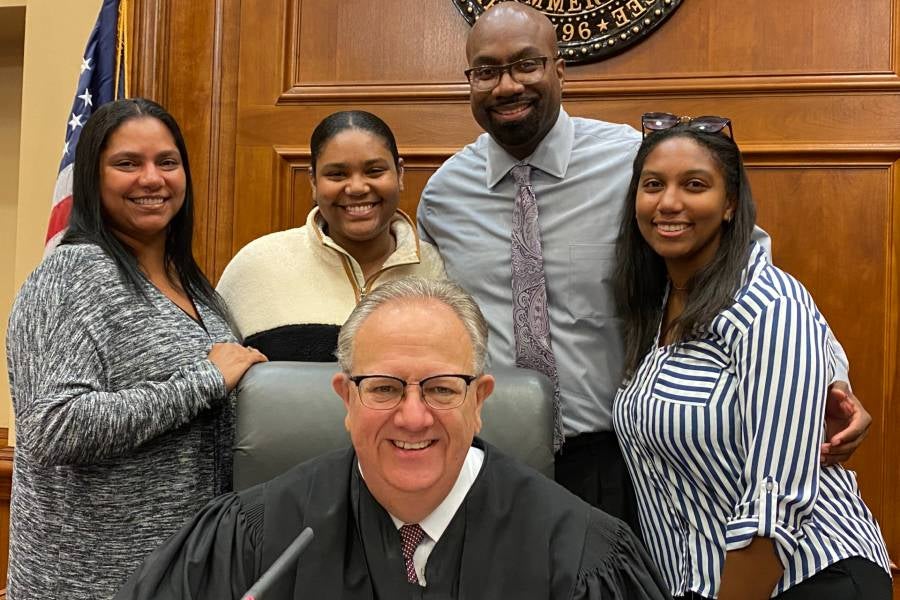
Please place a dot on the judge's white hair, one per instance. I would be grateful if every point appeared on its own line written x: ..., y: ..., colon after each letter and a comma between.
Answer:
x: 411, y: 289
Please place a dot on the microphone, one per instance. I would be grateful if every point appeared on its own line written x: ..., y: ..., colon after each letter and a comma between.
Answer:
x: 281, y: 564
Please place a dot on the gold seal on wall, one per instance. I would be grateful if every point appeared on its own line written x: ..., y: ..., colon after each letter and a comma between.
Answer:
x: 590, y: 30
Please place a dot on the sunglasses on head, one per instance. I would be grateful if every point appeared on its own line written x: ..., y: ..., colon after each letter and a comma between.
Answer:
x: 659, y: 121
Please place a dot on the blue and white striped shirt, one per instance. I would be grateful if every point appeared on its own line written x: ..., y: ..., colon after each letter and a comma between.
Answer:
x: 722, y: 434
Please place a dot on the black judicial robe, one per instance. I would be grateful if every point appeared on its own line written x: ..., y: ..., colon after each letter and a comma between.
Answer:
x: 516, y: 535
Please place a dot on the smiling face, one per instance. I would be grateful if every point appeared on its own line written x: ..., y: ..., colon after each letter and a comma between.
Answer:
x: 356, y: 186
x: 517, y: 116
x: 411, y: 455
x: 681, y: 204
x: 142, y: 181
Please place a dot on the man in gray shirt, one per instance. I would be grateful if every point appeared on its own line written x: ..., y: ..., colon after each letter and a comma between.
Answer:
x: 580, y: 170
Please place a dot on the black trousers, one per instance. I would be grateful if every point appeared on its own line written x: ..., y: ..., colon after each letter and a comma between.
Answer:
x: 848, y: 579
x: 592, y: 467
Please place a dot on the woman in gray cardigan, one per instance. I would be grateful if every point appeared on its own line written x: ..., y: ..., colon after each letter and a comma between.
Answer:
x: 121, y: 365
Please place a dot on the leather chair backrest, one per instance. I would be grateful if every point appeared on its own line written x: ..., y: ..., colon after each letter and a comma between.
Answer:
x: 287, y: 413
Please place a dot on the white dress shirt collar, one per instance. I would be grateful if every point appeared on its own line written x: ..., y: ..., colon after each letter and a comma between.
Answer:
x: 436, y: 523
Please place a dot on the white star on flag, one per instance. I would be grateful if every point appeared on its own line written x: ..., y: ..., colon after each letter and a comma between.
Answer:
x: 86, y: 96
x: 75, y: 121
x: 66, y: 149
x: 85, y: 64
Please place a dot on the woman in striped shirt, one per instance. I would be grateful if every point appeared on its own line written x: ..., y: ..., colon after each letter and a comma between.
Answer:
x: 721, y: 414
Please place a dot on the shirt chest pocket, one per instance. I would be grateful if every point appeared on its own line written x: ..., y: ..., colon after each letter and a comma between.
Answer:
x: 589, y: 288
x: 688, y: 377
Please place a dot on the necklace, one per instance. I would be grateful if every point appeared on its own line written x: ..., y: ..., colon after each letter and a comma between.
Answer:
x: 686, y: 288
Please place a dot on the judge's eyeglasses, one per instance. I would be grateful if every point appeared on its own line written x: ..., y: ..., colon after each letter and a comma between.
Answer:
x: 660, y: 121
x: 384, y: 392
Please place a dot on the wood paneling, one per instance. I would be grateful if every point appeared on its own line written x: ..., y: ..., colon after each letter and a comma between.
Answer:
x: 763, y: 38
x: 6, y: 469
x: 323, y: 58
x: 811, y: 85
x: 890, y: 459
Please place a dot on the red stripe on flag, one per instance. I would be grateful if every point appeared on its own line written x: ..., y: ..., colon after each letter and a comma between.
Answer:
x: 59, y: 217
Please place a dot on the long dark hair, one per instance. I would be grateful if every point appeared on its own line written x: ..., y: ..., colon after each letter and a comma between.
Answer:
x: 641, y: 277
x: 86, y: 222
x: 340, y: 121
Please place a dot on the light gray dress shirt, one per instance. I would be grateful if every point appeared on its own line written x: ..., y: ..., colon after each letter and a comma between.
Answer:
x: 581, y: 172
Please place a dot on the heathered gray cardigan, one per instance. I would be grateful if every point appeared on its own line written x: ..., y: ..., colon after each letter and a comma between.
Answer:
x: 123, y: 427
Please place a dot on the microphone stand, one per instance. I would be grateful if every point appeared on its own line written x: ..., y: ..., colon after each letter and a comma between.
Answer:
x: 280, y: 566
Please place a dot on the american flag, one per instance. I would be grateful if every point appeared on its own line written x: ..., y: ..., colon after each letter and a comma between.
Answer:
x: 103, y: 71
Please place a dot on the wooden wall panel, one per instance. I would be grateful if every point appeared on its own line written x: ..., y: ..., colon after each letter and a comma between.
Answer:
x: 890, y: 458
x: 325, y: 51
x: 762, y: 38
x: 853, y: 121
x: 256, y: 209
x: 6, y: 469
x: 812, y: 87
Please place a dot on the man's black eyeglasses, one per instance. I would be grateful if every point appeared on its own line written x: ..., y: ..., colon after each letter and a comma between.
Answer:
x: 525, y: 71
x: 660, y: 121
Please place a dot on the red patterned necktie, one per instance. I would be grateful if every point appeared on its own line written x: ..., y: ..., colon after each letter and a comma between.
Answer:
x: 410, y: 538
x: 531, y: 316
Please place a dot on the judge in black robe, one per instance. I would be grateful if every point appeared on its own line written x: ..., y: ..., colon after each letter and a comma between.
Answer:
x: 412, y: 379
x: 517, y: 535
